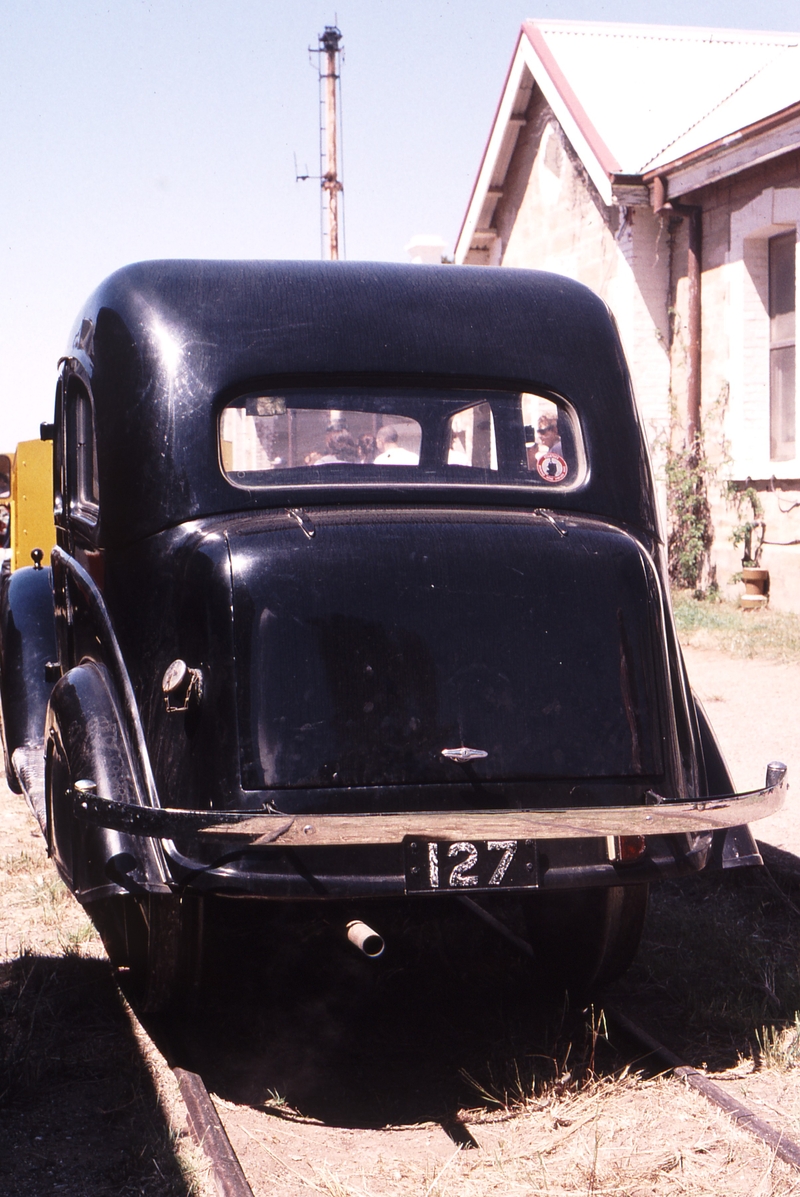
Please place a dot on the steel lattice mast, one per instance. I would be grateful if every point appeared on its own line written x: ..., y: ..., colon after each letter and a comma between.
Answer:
x: 330, y: 47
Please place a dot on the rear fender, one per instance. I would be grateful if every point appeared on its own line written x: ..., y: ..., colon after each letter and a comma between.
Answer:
x: 718, y: 778
x: 85, y: 739
x: 733, y: 847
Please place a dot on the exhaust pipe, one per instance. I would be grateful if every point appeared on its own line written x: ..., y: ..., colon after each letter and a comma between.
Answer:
x: 365, y: 939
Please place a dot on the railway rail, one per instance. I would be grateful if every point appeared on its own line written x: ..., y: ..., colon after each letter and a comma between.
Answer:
x: 205, y: 1127
x: 208, y: 1132
x: 785, y: 1149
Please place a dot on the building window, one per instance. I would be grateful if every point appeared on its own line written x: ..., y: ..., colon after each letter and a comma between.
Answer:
x: 782, y: 346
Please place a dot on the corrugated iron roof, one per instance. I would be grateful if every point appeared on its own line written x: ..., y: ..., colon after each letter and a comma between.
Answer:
x: 654, y: 93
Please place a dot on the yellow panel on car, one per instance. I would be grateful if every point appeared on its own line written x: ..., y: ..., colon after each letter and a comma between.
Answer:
x: 32, y: 524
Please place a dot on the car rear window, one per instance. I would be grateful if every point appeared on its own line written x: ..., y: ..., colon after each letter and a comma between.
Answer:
x: 367, y: 435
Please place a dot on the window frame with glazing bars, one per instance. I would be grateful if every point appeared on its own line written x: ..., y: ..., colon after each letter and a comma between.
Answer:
x: 781, y: 256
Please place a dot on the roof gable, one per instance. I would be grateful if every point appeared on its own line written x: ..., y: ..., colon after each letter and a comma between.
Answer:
x: 639, y: 100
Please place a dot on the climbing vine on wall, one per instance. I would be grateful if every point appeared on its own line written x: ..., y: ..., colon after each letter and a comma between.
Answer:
x: 691, y: 533
x: 691, y: 473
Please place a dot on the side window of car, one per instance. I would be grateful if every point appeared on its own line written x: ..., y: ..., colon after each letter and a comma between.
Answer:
x: 81, y: 456
x: 472, y: 440
x: 551, y: 440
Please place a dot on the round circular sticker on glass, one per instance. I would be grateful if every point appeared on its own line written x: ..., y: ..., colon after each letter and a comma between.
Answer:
x: 552, y: 467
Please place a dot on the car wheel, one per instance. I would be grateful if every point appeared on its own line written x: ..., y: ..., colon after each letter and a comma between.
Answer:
x: 585, y: 938
x: 155, y: 945
x: 154, y: 940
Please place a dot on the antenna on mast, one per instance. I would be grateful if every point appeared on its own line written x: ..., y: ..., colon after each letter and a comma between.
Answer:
x: 330, y: 131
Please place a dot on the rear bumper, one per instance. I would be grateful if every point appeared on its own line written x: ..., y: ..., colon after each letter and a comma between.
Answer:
x: 270, y: 855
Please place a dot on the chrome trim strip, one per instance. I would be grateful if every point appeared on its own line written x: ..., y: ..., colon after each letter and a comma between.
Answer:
x: 659, y: 817
x: 464, y: 754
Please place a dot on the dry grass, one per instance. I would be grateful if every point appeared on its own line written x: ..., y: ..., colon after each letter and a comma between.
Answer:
x: 779, y: 1047
x: 194, y: 1164
x: 704, y: 623
x: 626, y: 1138
x: 37, y: 911
x: 718, y: 964
x: 86, y: 1107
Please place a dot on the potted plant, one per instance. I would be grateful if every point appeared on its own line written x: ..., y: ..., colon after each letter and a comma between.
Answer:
x: 750, y: 535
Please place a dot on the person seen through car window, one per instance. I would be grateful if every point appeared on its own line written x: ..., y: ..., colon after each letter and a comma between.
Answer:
x: 390, y: 452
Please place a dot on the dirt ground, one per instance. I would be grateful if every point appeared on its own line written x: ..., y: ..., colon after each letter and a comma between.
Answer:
x: 434, y: 1074
x: 754, y: 708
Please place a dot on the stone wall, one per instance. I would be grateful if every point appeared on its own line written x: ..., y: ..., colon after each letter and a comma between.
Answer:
x: 739, y: 216
x: 551, y: 217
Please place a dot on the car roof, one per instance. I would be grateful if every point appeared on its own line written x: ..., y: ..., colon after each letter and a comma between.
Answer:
x: 162, y: 344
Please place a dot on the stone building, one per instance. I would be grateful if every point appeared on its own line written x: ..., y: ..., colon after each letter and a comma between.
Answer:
x: 660, y: 165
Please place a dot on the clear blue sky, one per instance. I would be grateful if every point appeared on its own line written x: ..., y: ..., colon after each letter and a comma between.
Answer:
x: 139, y: 129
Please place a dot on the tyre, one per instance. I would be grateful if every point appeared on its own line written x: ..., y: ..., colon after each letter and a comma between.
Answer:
x: 153, y: 939
x: 585, y: 938
x: 155, y: 945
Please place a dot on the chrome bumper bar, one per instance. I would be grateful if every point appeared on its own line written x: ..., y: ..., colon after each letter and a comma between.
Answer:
x: 659, y: 816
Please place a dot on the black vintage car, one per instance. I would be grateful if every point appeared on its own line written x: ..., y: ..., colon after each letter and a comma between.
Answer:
x: 359, y: 593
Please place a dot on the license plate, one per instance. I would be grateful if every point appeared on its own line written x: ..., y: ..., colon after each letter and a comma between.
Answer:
x: 464, y: 866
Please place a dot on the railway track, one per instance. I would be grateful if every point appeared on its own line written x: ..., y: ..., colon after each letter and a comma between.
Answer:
x: 205, y: 1127
x: 785, y: 1148
x: 208, y: 1132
